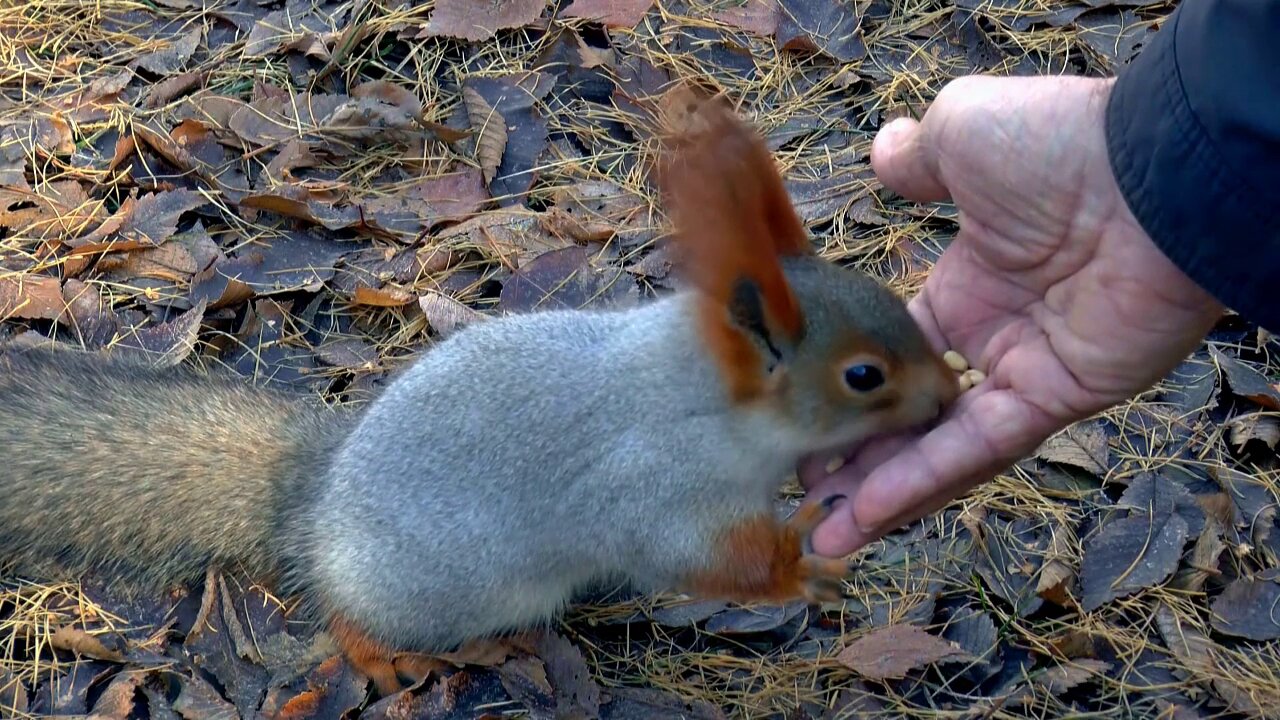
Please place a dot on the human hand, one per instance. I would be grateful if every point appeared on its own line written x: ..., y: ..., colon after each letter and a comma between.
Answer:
x: 1051, y: 288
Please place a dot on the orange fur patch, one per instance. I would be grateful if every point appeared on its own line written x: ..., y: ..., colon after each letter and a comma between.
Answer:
x: 761, y: 559
x: 732, y: 220
x: 368, y: 656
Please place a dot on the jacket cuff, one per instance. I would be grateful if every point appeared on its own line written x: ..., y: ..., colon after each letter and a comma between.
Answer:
x: 1182, y: 191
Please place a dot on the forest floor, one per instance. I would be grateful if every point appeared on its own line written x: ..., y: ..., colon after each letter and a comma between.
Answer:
x: 311, y: 193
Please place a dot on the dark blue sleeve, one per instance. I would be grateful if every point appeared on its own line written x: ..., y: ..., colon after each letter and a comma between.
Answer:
x: 1193, y: 129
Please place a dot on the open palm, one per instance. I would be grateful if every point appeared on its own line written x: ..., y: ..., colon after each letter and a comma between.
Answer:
x: 1051, y: 288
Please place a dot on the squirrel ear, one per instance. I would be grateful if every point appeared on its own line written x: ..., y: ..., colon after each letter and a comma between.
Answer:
x: 733, y: 223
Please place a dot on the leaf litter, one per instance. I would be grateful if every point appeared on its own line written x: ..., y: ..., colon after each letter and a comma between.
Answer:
x: 308, y: 193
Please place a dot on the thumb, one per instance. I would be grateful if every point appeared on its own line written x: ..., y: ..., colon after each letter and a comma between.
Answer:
x: 906, y: 161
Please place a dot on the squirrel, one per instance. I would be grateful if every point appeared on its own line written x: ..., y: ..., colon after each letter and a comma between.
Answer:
x: 515, y: 462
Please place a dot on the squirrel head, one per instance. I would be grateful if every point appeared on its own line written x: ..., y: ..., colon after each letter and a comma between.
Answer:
x: 832, y: 353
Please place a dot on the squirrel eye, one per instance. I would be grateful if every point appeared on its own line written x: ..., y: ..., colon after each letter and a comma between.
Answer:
x: 863, y: 377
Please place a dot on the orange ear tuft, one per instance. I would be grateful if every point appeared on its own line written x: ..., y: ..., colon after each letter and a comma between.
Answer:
x: 733, y: 221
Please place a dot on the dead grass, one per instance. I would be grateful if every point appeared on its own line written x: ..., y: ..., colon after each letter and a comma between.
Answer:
x: 823, y: 114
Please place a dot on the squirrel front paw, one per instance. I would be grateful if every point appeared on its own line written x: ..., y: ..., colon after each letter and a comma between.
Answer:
x: 821, y: 578
x: 762, y: 559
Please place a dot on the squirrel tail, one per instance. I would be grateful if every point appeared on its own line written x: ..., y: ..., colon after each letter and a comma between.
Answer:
x: 151, y: 474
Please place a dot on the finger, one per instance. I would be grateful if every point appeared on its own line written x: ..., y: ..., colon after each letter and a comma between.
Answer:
x: 905, y: 160
x: 993, y: 430
x: 861, y: 457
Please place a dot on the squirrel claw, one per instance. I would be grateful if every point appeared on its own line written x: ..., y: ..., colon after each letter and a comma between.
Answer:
x: 822, y: 577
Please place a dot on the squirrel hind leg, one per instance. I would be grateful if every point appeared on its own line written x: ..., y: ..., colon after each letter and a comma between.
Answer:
x: 368, y: 656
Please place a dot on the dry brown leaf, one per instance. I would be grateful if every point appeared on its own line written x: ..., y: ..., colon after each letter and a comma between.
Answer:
x: 491, y: 132
x: 1061, y: 678
x: 73, y: 639
x: 759, y: 17
x: 155, y: 217
x: 610, y: 13
x: 1058, y: 572
x: 831, y: 27
x: 890, y: 652
x: 1198, y: 658
x: 1131, y: 554
x: 446, y: 314
x: 1204, y: 556
x: 1248, y: 608
x: 31, y: 297
x: 488, y: 652
x: 474, y: 21
x: 116, y: 702
x: 1245, y: 381
x: 168, y: 89
x: 1263, y: 427
x: 1083, y: 445
x: 61, y: 209
x: 382, y: 297
x: 174, y: 56
x: 167, y: 344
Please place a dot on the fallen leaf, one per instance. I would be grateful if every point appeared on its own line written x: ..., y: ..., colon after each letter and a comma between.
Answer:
x: 759, y: 17
x: 116, y: 701
x: 351, y: 353
x: 1246, y: 381
x: 1197, y: 658
x: 31, y: 297
x: 461, y: 695
x: 1061, y: 678
x: 13, y: 694
x: 170, y: 343
x: 832, y: 27
x: 488, y: 652
x: 1058, y: 572
x: 975, y: 633
x: 610, y: 13
x: 198, y: 700
x: 1010, y: 559
x: 287, y: 262
x: 475, y: 21
x: 754, y: 619
x: 333, y: 690
x: 289, y: 30
x: 514, y: 237
x: 149, y: 221
x: 576, y: 692
x: 165, y: 91
x: 174, y: 56
x: 491, y: 132
x: 1131, y: 554
x: 1248, y: 608
x: 58, y: 210
x: 892, y: 651
x: 91, y: 102
x: 565, y: 278
x: 1192, y: 385
x: 445, y: 314
x: 76, y: 640
x: 633, y: 703
x: 514, y: 99
x: 1116, y: 35
x: 1263, y: 427
x: 1205, y: 555
x: 1157, y: 492
x: 1082, y: 445
x: 386, y: 296
x: 1254, y: 505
